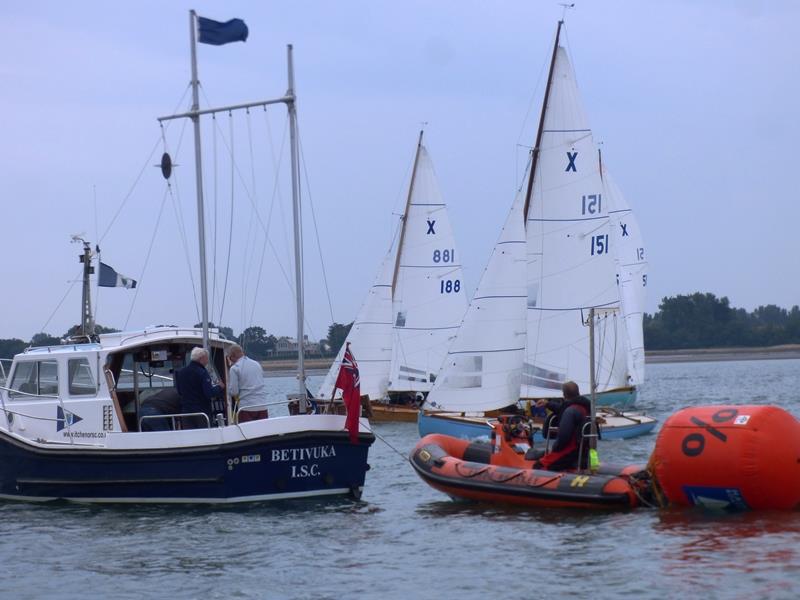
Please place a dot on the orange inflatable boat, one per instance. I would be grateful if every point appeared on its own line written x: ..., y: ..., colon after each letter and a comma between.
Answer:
x: 729, y: 457
x: 497, y: 471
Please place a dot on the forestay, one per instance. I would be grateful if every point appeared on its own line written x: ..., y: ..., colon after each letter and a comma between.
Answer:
x: 631, y: 265
x: 370, y: 338
x: 570, y: 264
x: 484, y: 364
x: 428, y: 300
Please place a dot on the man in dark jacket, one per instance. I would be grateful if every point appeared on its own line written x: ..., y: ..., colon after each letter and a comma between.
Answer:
x: 569, y: 416
x: 196, y: 390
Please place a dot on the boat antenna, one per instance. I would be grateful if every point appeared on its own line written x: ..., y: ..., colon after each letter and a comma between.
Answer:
x: 405, y: 213
x: 566, y: 8
x: 85, y: 257
x: 535, y: 150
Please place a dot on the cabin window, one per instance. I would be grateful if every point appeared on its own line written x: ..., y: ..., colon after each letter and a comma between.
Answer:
x: 35, y: 378
x: 80, y: 377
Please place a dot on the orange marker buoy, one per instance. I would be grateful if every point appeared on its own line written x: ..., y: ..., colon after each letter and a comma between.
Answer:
x: 730, y: 457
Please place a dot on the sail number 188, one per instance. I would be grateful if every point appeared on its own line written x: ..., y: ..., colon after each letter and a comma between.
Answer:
x: 447, y: 286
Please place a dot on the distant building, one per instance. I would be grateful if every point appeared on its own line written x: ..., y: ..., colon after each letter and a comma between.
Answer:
x: 289, y: 344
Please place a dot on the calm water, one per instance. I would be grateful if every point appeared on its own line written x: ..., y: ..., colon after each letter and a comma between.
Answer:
x: 404, y: 540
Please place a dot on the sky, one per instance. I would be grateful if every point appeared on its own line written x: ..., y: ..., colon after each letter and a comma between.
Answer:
x: 694, y: 103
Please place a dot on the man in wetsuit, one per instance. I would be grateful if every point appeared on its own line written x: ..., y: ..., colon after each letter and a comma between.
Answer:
x: 570, y: 417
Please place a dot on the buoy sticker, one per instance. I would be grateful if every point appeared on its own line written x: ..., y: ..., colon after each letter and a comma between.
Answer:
x: 741, y: 420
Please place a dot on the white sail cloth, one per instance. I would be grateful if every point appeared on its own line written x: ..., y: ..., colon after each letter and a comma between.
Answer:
x: 484, y: 363
x: 631, y: 264
x: 570, y: 264
x: 370, y: 338
x: 428, y: 299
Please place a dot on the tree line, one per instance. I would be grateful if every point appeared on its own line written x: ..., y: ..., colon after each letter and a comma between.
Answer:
x: 258, y: 344
x: 701, y: 320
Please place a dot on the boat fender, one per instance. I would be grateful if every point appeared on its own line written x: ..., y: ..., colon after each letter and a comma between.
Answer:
x: 729, y: 457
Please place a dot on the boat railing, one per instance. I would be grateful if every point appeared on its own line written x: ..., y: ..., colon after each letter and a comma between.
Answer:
x: 5, y: 369
x: 174, y: 416
x: 12, y: 392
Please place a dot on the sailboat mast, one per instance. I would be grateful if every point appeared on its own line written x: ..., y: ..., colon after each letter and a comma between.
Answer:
x: 405, y: 213
x: 298, y: 229
x: 538, y: 142
x: 198, y: 165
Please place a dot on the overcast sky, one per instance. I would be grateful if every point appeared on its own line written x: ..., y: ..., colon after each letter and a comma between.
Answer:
x: 695, y: 103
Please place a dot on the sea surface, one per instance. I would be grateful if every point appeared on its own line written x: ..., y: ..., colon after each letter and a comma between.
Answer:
x: 405, y: 540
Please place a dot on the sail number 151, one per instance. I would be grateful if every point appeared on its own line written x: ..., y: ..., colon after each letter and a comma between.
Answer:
x: 599, y: 244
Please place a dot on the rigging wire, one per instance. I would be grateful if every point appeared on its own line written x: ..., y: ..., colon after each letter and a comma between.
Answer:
x: 168, y: 191
x: 251, y: 236
x: 175, y: 201
x: 216, y: 214
x: 230, y: 227
x: 64, y: 297
x: 316, y: 229
x: 276, y: 193
x: 141, y: 171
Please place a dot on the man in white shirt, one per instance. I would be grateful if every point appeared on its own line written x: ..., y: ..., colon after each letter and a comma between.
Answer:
x: 247, y: 382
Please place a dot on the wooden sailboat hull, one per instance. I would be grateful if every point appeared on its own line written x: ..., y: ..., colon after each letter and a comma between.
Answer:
x: 617, y: 426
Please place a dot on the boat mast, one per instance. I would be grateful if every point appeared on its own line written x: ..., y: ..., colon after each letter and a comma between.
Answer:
x: 290, y: 100
x: 198, y: 165
x: 535, y: 151
x: 87, y: 321
x: 405, y: 214
x: 592, y: 383
x: 291, y: 105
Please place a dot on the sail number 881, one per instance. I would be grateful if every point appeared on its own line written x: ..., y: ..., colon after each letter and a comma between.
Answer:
x: 448, y: 286
x: 445, y: 256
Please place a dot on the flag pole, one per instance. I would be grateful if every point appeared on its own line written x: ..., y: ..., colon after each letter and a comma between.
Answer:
x: 198, y: 163
x: 291, y: 105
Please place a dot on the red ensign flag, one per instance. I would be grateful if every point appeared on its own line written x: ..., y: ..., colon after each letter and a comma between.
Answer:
x: 349, y: 383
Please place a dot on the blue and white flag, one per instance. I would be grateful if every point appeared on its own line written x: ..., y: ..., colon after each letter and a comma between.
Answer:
x: 110, y: 278
x: 217, y: 34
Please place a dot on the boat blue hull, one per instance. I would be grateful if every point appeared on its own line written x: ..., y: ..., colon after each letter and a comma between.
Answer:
x: 468, y: 430
x: 266, y: 468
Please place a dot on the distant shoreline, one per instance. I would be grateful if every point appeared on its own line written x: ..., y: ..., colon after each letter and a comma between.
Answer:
x: 320, y: 366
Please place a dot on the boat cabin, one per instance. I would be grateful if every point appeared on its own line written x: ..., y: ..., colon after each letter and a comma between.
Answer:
x: 81, y: 392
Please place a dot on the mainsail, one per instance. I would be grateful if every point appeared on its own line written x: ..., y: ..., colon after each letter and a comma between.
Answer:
x: 428, y: 298
x: 524, y: 333
x: 484, y: 364
x: 631, y: 266
x: 416, y: 303
x: 571, y: 267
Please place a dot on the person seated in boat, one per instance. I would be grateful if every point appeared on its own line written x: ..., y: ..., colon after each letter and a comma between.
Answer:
x: 163, y: 402
x: 247, y: 383
x: 569, y: 416
x: 196, y: 390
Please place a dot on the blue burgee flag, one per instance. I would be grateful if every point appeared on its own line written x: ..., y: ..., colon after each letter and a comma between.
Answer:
x: 217, y: 34
x: 110, y: 278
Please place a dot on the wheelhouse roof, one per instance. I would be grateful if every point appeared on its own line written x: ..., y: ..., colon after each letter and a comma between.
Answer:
x: 113, y: 342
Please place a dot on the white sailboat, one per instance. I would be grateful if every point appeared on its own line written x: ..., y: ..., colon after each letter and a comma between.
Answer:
x: 415, y: 306
x: 523, y: 339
